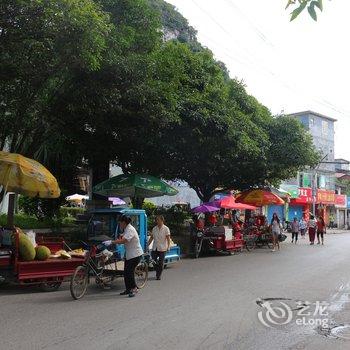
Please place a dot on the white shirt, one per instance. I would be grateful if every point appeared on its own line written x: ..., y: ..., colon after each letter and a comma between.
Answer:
x: 133, y: 247
x: 159, y: 238
x: 312, y: 223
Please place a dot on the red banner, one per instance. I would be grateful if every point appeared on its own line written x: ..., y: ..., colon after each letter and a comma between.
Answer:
x: 340, y: 200
x: 325, y: 197
x: 305, y: 196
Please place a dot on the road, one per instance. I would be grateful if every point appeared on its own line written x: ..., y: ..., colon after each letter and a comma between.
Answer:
x: 209, y: 303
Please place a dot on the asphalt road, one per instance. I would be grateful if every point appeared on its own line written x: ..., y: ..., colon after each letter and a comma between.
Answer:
x: 209, y: 303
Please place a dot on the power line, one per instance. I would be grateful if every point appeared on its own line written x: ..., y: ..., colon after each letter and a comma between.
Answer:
x: 295, y: 89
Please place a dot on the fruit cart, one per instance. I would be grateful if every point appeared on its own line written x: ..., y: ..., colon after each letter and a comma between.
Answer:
x: 48, y: 274
x: 217, y: 239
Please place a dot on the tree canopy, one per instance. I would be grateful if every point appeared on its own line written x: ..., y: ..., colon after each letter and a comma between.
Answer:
x: 90, y: 82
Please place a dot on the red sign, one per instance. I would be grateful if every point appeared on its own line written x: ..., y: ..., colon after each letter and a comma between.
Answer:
x: 340, y: 200
x: 305, y: 196
x: 325, y: 197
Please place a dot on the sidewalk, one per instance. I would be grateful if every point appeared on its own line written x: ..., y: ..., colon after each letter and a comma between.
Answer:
x: 335, y: 230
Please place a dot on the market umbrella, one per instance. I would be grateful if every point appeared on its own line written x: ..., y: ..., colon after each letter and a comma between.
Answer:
x: 259, y: 197
x: 229, y: 202
x: 25, y: 176
x: 116, y: 201
x: 76, y: 198
x: 135, y: 185
x: 205, y: 209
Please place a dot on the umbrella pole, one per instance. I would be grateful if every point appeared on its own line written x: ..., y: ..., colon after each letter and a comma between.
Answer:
x: 11, y: 211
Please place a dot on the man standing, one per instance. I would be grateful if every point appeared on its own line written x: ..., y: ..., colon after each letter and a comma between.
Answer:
x: 161, y: 244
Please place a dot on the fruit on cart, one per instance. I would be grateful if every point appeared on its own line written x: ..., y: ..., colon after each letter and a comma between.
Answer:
x: 42, y: 252
x: 63, y: 254
x: 25, y: 247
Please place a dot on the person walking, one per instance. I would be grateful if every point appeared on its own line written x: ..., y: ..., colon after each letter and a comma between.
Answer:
x: 295, y: 230
x: 303, y: 227
x: 160, y: 237
x: 275, y: 230
x: 321, y: 229
x: 331, y: 221
x: 312, y: 229
x: 133, y: 253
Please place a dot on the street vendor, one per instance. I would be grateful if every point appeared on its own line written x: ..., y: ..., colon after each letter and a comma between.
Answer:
x: 133, y: 253
x: 160, y: 237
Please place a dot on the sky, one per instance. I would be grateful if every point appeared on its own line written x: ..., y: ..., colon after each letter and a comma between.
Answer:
x: 288, y: 66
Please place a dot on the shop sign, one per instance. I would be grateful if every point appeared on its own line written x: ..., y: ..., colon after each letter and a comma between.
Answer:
x: 293, y: 190
x: 305, y: 196
x: 325, y: 197
x: 340, y: 201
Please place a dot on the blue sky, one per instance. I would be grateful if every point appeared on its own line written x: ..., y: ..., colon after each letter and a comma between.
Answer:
x: 288, y: 66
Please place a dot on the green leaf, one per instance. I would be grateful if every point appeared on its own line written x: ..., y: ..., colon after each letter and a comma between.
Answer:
x: 298, y: 11
x: 318, y: 3
x: 290, y: 2
x: 312, y: 12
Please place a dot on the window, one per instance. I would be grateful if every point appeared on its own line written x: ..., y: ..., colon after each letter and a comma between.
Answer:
x: 312, y: 121
x: 324, y: 128
x: 304, y: 180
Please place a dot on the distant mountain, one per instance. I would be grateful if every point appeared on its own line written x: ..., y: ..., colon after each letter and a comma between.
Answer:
x: 175, y: 26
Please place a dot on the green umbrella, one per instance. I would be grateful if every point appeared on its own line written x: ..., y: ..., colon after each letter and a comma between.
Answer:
x: 134, y: 186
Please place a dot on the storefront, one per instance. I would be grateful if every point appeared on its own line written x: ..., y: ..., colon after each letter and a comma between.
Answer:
x: 300, y: 206
x: 341, y: 210
x: 325, y: 201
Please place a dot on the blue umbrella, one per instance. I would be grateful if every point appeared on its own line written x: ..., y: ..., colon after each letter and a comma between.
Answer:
x: 205, y: 209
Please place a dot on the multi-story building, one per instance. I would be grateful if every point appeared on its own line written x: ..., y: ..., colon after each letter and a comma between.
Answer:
x: 316, y: 184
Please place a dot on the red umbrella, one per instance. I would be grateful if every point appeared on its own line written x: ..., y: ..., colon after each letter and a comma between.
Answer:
x: 229, y: 202
x: 259, y: 197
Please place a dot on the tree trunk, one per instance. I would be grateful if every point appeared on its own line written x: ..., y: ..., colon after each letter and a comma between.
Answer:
x: 137, y: 202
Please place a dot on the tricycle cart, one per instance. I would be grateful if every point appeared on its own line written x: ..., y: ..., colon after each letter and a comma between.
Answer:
x: 218, y: 239
x: 104, y: 268
x: 48, y: 274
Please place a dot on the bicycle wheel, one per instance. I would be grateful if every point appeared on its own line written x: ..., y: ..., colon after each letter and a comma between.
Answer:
x: 250, y: 244
x: 141, y: 274
x: 79, y: 282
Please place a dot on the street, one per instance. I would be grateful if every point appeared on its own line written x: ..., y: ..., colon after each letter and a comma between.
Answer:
x: 208, y: 303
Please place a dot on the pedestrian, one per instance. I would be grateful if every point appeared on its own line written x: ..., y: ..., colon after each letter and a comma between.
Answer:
x: 295, y: 230
x: 321, y: 229
x: 276, y: 231
x: 303, y: 226
x: 160, y: 237
x: 133, y: 253
x: 312, y: 229
x: 331, y: 221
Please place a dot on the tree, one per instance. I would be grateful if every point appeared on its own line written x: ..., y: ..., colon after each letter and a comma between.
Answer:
x: 41, y: 43
x: 300, y: 5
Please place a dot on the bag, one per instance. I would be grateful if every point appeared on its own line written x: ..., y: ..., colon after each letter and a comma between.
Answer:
x: 282, y: 237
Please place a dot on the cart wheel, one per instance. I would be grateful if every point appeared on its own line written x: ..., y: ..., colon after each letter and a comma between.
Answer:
x: 250, y: 245
x: 50, y: 286
x: 79, y: 282
x: 141, y: 274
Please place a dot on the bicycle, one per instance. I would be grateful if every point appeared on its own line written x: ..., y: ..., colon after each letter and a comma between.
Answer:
x: 102, y: 264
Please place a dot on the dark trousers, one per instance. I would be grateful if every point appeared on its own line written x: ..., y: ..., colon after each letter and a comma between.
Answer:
x: 312, y: 232
x: 319, y: 233
x: 129, y: 273
x: 295, y: 236
x: 159, y: 258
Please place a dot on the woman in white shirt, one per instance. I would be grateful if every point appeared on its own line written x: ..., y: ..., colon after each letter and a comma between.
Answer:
x: 133, y: 253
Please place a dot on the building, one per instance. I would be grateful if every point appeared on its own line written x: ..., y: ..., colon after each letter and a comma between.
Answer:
x: 317, y: 184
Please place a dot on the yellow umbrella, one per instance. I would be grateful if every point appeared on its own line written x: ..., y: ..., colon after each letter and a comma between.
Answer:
x: 26, y: 176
